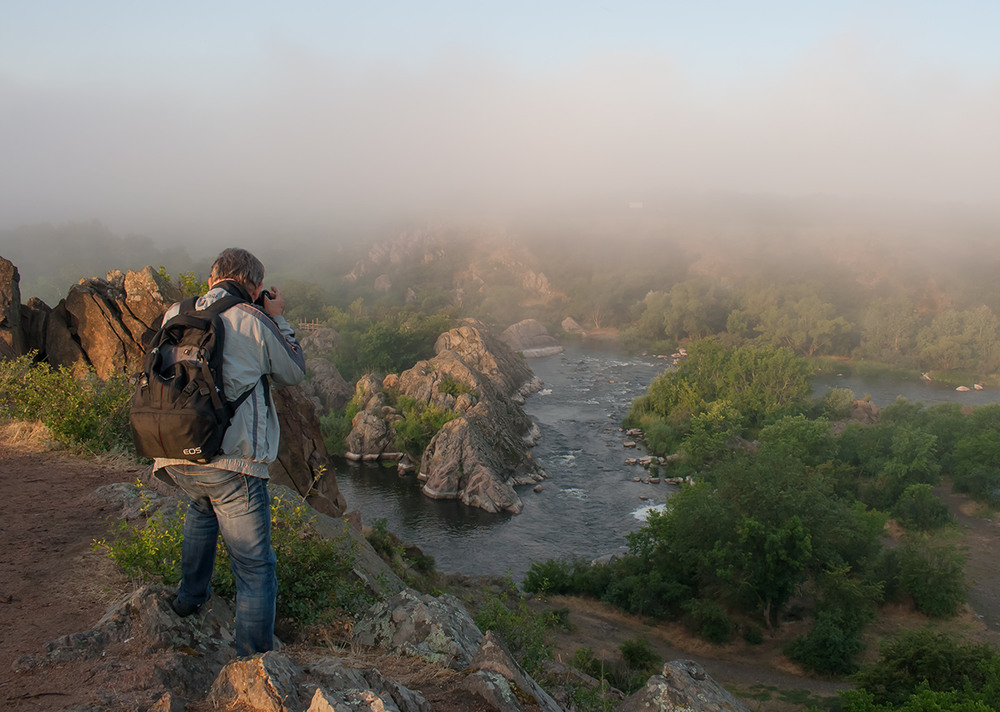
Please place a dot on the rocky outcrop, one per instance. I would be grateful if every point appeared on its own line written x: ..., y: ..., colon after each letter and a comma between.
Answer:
x: 683, y: 685
x: 479, y: 459
x: 105, y: 323
x: 325, y: 386
x: 490, y: 357
x: 571, y: 326
x: 302, y: 462
x: 481, y: 455
x: 174, y: 662
x: 531, y: 339
x: 11, y: 334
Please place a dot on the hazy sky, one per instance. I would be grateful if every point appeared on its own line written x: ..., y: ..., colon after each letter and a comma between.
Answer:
x: 208, y: 114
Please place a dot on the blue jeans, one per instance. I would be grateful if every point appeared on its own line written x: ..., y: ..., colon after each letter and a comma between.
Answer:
x: 239, y: 507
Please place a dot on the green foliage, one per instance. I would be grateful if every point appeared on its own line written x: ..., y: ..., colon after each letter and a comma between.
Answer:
x: 336, y: 426
x: 748, y: 385
x: 919, y: 509
x: 831, y: 645
x: 708, y: 619
x: 923, y: 661
x: 421, y: 422
x: 189, y: 284
x: 453, y: 387
x: 153, y: 553
x: 525, y: 632
x: 77, y: 406
x: 628, y: 673
x: 932, y: 574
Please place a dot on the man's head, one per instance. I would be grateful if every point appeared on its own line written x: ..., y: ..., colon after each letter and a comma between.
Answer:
x: 240, y: 266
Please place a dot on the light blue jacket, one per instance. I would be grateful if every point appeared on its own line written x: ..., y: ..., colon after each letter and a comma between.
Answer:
x: 255, y: 345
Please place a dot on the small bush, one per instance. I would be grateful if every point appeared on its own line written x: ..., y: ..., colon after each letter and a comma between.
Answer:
x: 709, y: 620
x: 933, y: 574
x: 934, y: 660
x: 918, y: 509
x: 77, y: 406
x: 830, y: 647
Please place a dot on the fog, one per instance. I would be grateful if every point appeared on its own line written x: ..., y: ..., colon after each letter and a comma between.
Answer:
x: 301, y: 142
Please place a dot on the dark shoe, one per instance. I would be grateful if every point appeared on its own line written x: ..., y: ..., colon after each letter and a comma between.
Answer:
x: 183, y: 609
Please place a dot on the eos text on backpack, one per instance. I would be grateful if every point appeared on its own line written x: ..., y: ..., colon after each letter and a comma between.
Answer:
x: 179, y: 410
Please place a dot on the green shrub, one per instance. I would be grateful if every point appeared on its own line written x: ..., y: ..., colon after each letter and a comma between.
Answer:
x: 421, y: 422
x: 918, y: 509
x: 933, y: 574
x: 316, y: 582
x: 77, y: 406
x: 453, y: 387
x: 830, y: 647
x: 708, y: 619
x: 935, y: 660
x: 336, y: 426
x: 753, y: 634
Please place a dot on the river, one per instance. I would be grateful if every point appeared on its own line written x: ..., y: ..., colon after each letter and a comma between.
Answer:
x: 589, y: 502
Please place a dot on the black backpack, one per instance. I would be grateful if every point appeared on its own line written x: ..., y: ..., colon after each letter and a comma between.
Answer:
x: 179, y: 409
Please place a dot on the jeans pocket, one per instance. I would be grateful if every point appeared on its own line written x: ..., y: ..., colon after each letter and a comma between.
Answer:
x: 232, y: 497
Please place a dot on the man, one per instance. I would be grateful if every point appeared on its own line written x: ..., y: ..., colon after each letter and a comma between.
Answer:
x: 229, y: 494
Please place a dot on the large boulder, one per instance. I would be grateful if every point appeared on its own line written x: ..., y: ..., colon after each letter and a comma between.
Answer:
x: 531, y: 339
x: 11, y: 335
x: 108, y: 321
x: 490, y: 357
x: 682, y: 685
x: 484, y: 452
x: 34, y: 324
x: 437, y: 629
x: 479, y: 459
x: 303, y: 462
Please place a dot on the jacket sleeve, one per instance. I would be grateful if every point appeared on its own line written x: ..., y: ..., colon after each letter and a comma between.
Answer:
x: 284, y: 354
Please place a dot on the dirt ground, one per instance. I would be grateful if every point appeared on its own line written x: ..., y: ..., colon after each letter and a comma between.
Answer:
x: 55, y: 583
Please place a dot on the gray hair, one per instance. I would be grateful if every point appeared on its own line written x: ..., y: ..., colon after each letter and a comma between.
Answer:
x: 239, y: 265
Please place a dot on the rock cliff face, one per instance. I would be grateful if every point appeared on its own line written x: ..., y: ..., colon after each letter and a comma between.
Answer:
x: 105, y: 323
x: 531, y: 339
x: 484, y: 452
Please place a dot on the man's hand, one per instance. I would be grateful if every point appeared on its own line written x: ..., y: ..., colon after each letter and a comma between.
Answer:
x: 275, y: 306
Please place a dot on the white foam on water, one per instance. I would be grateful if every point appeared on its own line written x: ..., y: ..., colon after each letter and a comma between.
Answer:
x: 643, y: 512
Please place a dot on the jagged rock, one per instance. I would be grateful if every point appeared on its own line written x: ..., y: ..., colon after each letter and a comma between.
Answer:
x: 264, y: 682
x: 682, y: 686
x: 61, y: 349
x: 319, y: 342
x: 189, y: 651
x: 349, y: 701
x: 369, y: 437
x: 479, y: 457
x: 34, y: 324
x: 325, y: 386
x: 531, y: 339
x: 571, y: 326
x: 490, y: 357
x: 478, y: 460
x: 865, y: 412
x: 494, y: 689
x: 302, y: 462
x: 493, y: 657
x: 11, y: 334
x: 438, y: 630
x: 332, y: 674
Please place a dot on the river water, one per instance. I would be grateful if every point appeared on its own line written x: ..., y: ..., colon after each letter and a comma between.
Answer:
x: 589, y: 501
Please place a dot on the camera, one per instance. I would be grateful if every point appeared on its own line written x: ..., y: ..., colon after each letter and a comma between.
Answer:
x: 260, y: 299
